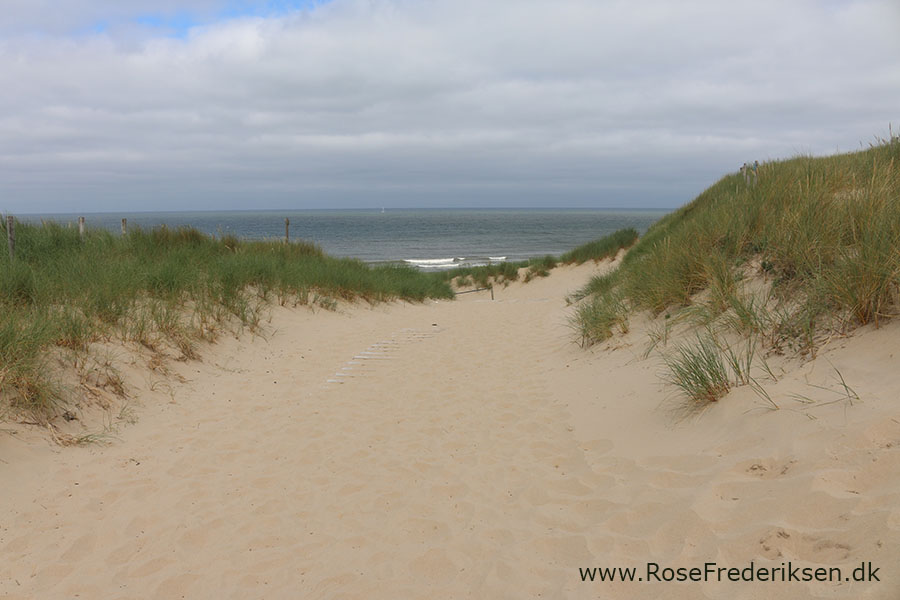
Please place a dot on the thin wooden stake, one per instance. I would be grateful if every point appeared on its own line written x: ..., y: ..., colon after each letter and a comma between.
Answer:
x: 124, y: 226
x: 11, y: 235
x: 81, y: 228
x: 287, y: 226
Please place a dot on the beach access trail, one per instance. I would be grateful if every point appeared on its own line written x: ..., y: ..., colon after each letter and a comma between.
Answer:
x: 453, y: 449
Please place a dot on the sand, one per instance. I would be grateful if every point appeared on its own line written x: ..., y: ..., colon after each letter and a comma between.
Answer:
x: 460, y: 449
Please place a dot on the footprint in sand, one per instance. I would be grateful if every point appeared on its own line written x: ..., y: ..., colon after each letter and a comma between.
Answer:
x: 765, y: 468
x: 780, y: 543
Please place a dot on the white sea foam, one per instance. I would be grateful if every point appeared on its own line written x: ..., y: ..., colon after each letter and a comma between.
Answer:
x: 433, y: 262
x: 442, y: 264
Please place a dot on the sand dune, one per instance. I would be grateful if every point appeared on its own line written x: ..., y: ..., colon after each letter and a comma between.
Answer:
x: 464, y: 449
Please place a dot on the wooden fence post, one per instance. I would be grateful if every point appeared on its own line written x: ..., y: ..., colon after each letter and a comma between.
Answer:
x: 124, y: 227
x: 11, y: 235
x: 81, y: 228
x: 287, y: 226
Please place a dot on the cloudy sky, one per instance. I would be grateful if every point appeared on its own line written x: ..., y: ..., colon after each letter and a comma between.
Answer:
x: 216, y: 104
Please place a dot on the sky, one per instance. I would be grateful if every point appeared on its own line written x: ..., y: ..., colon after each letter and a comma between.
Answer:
x: 140, y: 105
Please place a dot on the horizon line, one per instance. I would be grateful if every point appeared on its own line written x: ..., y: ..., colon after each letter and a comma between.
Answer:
x: 358, y: 208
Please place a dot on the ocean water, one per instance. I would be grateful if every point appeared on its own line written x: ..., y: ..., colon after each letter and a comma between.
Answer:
x: 426, y: 238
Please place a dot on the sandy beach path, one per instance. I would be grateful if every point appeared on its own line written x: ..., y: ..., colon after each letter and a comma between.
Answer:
x: 462, y: 449
x: 398, y: 451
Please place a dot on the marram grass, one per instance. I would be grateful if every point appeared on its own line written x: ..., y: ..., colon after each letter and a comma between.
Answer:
x: 606, y: 247
x: 174, y: 287
x: 171, y: 286
x: 823, y: 233
x: 699, y: 370
x: 826, y: 231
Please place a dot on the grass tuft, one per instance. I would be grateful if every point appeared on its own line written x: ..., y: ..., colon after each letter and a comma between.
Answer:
x: 699, y: 371
x: 598, y: 318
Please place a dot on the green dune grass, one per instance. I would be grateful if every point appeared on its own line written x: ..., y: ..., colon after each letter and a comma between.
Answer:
x: 823, y: 233
x: 605, y: 247
x: 170, y: 286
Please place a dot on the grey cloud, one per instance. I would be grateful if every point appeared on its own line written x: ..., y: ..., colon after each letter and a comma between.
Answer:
x: 54, y: 17
x: 567, y: 102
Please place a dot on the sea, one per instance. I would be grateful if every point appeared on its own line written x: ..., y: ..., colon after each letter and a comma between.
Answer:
x: 429, y: 239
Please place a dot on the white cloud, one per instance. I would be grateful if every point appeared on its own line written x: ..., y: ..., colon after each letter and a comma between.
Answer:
x: 400, y: 101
